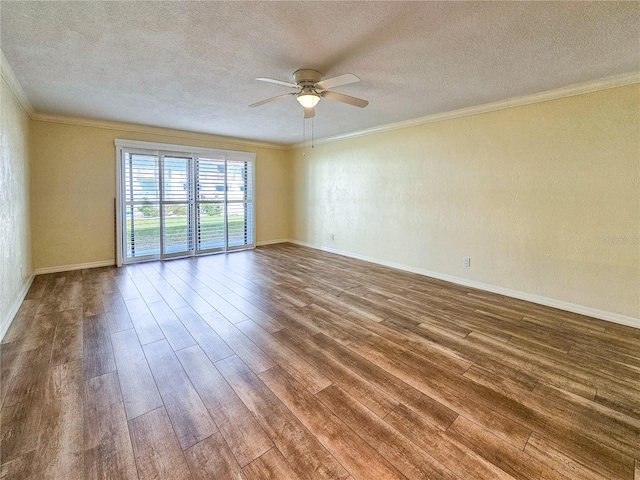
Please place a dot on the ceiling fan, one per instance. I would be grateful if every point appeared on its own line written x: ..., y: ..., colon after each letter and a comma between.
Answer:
x: 311, y: 88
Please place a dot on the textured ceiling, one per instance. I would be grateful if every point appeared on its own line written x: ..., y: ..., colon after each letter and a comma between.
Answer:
x: 191, y: 65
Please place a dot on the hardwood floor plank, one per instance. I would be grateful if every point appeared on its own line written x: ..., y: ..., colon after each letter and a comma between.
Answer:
x: 28, y: 372
x: 604, y: 370
x: 507, y: 429
x: 244, y: 348
x: 627, y: 404
x: 498, y: 383
x: 168, y: 293
x: 40, y: 333
x: 259, y: 317
x: 549, y: 369
x: 19, y: 426
x: 378, y: 401
x: 53, y: 292
x: 68, y: 343
x: 37, y: 288
x: 174, y: 331
x: 536, y: 413
x: 208, y: 340
x: 143, y: 321
x: 430, y: 409
x: 312, y: 378
x: 521, y: 368
x: 459, y: 459
x: 242, y: 432
x: 144, y: 286
x: 211, y: 458
x: 359, y: 458
x: 323, y: 322
x: 22, y: 322
x: 92, y: 303
x: 116, y: 313
x: 71, y: 296
x: 224, y: 308
x: 326, y: 300
x: 513, y: 461
x: 307, y: 457
x: 186, y: 289
x: 289, y: 362
x: 156, y: 448
x: 565, y: 464
x: 269, y: 466
x: 189, y: 416
x: 19, y: 468
x: 405, y: 456
x: 60, y: 452
x: 182, y: 274
x: 600, y: 421
x: 608, y: 461
x: 126, y: 286
x: 291, y: 317
x: 97, y: 351
x: 139, y: 392
x: 107, y: 446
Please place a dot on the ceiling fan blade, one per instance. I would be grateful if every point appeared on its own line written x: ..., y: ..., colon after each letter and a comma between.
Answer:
x: 337, y: 81
x: 310, y: 112
x: 340, y: 97
x: 279, y: 82
x: 268, y: 100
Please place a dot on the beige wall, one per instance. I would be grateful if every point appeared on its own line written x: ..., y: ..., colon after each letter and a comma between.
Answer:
x: 544, y: 198
x: 15, y: 247
x: 73, y: 189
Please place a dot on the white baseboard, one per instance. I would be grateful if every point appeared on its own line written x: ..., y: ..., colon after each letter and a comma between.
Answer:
x: 76, y: 266
x: 6, y: 322
x: 549, y: 302
x: 271, y: 242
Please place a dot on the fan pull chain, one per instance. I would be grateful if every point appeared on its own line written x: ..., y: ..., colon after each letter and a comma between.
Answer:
x: 312, y: 120
x: 304, y: 135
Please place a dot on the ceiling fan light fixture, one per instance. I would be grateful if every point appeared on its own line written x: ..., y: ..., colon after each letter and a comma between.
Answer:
x: 308, y: 99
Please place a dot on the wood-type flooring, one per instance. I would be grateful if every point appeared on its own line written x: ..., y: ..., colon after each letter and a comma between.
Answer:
x: 285, y: 362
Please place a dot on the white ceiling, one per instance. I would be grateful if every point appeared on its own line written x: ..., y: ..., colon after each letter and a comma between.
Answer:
x: 191, y: 65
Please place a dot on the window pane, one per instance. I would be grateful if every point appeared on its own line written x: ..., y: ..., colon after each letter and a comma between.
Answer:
x: 210, y: 226
x: 175, y: 179
x: 210, y: 179
x: 239, y: 229
x: 141, y: 178
x: 141, y: 199
x: 239, y: 180
x: 142, y: 232
x: 177, y: 228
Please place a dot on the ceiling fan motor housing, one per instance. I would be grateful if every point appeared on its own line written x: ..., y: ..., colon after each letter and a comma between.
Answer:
x: 306, y: 77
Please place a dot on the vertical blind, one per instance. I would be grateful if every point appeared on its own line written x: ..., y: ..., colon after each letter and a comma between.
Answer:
x: 179, y: 204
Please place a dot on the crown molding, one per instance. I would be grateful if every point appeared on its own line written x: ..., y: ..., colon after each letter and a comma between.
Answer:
x: 555, y: 94
x: 150, y: 130
x: 14, y: 85
x: 571, y: 90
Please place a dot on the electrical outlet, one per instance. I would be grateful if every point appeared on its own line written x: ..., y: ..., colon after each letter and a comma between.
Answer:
x: 332, y: 236
x: 466, y: 261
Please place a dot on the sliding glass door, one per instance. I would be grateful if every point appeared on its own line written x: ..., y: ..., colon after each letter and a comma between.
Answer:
x: 175, y: 204
x: 211, y: 204
x: 239, y: 204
